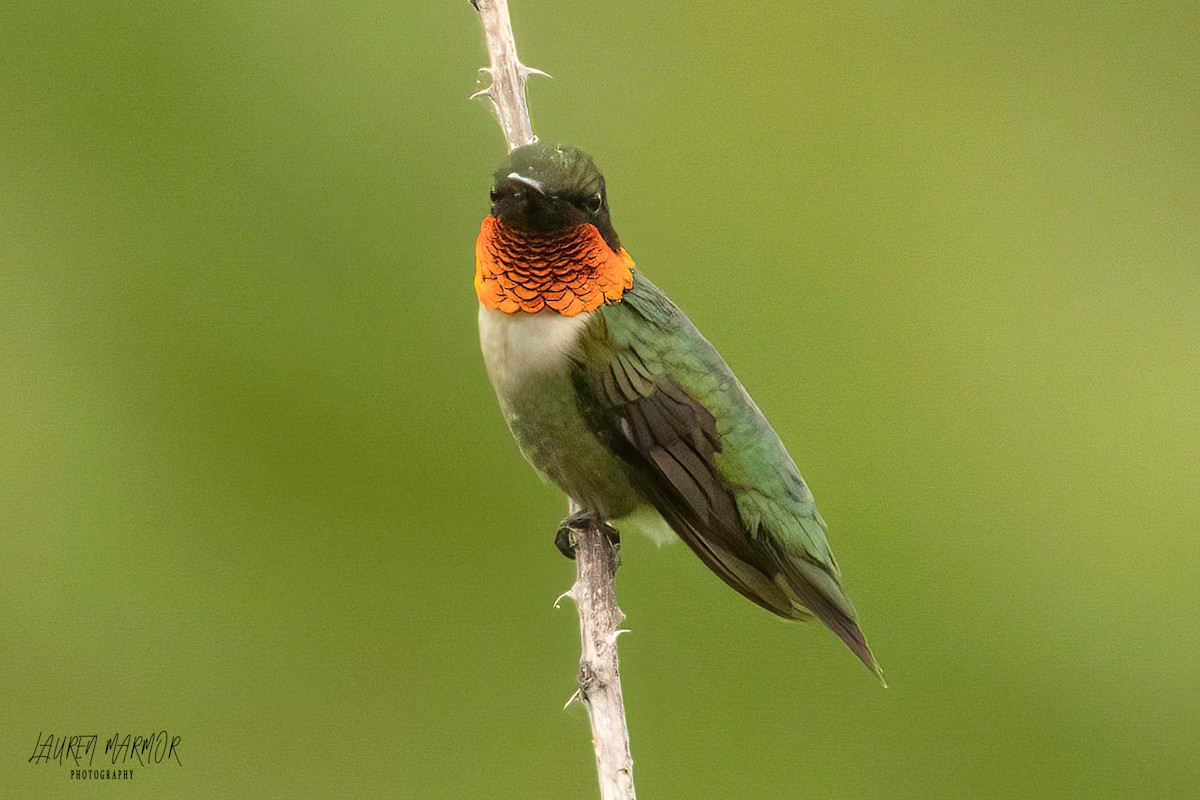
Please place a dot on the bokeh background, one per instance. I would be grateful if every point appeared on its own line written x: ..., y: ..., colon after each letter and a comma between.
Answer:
x: 254, y: 487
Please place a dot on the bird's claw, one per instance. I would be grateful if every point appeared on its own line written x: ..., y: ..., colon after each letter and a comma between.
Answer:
x: 565, y: 540
x: 570, y: 528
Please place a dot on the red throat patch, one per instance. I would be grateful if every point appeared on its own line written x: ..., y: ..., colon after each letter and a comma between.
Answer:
x: 570, y: 272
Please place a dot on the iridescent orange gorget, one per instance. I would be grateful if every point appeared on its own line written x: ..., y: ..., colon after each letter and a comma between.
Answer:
x: 570, y: 272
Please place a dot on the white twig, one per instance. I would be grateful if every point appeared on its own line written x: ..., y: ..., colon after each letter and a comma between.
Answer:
x: 595, y: 555
x: 599, y: 672
x: 507, y: 89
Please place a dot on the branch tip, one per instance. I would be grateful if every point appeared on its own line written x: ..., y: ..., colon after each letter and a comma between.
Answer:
x: 508, y: 74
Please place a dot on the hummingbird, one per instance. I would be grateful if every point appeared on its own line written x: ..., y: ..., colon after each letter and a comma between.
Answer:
x: 614, y: 396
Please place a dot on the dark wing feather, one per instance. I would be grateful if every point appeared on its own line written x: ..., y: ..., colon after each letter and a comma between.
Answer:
x: 669, y: 441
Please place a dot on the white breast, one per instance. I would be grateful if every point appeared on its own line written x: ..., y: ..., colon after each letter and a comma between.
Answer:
x: 520, y: 345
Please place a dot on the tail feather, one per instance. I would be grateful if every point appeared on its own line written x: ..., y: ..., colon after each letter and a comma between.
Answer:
x: 788, y: 585
x: 816, y: 593
x: 793, y: 588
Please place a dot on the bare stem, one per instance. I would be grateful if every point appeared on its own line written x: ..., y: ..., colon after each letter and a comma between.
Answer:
x: 595, y: 554
x: 599, y: 672
x: 507, y: 90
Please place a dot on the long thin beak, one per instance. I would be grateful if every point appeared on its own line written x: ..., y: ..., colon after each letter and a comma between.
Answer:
x: 529, y: 182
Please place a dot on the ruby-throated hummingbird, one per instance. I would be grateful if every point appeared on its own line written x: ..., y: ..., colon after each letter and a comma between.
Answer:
x: 615, y: 397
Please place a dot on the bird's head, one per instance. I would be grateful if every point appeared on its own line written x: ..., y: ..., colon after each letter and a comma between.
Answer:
x: 549, y: 242
x: 552, y: 188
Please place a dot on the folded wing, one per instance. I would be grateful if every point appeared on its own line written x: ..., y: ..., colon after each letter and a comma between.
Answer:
x: 657, y: 393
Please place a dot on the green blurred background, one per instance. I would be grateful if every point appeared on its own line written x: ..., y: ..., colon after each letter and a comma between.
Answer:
x: 254, y: 487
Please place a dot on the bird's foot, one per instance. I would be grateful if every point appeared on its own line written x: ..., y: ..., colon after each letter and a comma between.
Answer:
x: 580, y: 522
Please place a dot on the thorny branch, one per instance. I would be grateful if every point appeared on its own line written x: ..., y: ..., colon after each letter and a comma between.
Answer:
x: 594, y: 542
x: 506, y: 93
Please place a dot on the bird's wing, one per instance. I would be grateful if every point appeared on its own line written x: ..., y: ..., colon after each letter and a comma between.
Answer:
x: 654, y: 390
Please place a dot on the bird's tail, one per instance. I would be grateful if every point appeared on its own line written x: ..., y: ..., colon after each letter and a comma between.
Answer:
x: 794, y: 587
x: 814, y: 592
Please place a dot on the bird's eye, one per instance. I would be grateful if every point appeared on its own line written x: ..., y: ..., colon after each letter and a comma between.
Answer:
x: 495, y: 194
x: 595, y: 202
